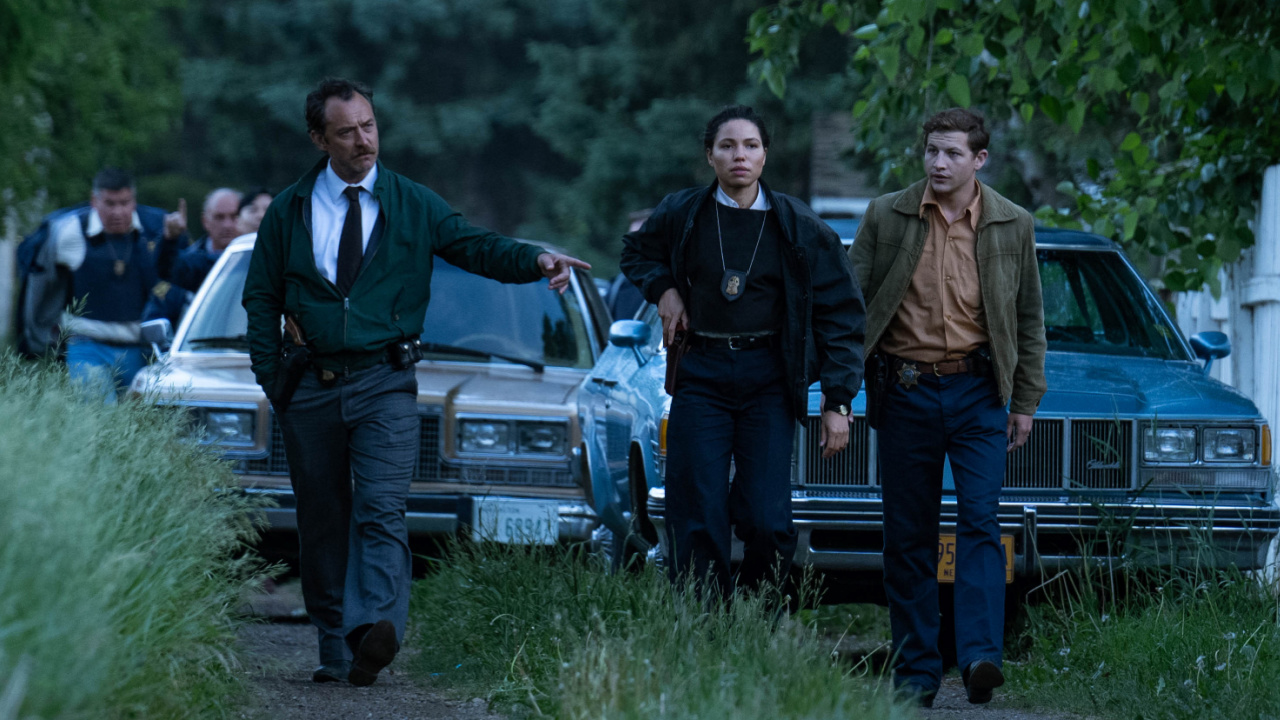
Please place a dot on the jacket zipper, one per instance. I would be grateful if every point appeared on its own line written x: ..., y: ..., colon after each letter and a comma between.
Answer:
x: 346, y: 309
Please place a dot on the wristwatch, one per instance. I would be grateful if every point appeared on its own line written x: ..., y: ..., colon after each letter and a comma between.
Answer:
x: 842, y: 409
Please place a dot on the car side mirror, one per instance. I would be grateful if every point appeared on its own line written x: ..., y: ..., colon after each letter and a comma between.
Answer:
x: 630, y: 334
x: 159, y: 334
x: 1210, y: 346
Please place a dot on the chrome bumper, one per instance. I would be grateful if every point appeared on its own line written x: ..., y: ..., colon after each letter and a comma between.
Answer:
x: 434, y: 515
x: 846, y: 533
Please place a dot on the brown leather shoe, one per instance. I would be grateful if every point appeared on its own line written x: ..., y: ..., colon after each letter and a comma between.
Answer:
x: 377, y: 649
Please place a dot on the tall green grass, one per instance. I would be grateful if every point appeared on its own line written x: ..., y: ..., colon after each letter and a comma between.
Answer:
x: 543, y: 633
x: 1150, y: 644
x: 118, y: 566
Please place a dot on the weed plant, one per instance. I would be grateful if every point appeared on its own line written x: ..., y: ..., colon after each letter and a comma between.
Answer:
x: 1152, y: 644
x: 120, y: 560
x: 541, y: 632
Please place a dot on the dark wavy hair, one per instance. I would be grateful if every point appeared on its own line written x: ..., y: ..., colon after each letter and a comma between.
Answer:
x: 734, y: 112
x: 332, y: 87
x: 959, y: 120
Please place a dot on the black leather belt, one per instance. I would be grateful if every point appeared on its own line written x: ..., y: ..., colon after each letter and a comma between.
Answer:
x: 735, y: 342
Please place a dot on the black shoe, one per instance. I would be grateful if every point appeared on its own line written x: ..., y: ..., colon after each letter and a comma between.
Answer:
x: 331, y: 672
x: 917, y: 695
x: 980, y: 678
x: 376, y: 650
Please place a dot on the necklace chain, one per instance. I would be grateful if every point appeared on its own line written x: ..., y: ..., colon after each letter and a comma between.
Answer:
x: 720, y: 239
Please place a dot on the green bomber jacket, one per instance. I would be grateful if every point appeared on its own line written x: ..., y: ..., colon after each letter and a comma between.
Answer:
x: 887, y: 248
x: 388, y: 301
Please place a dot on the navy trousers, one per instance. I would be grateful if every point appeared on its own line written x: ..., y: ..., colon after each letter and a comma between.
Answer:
x: 351, y: 450
x: 730, y: 406
x: 960, y: 416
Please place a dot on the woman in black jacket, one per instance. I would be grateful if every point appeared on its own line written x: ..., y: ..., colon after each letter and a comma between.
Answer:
x: 761, y: 291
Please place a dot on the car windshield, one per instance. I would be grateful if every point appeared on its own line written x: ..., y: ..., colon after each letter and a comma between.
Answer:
x: 468, y: 312
x: 1094, y: 303
x: 845, y: 227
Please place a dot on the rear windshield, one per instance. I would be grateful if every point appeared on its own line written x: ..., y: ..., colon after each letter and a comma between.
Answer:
x: 528, y: 321
x: 1094, y: 303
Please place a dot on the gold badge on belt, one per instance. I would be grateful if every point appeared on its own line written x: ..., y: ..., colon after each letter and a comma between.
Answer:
x: 908, y: 375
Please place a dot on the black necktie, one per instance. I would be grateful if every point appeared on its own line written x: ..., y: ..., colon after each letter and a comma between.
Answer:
x: 351, y: 243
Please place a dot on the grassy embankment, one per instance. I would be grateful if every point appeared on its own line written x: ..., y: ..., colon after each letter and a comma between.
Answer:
x: 117, y: 559
x: 543, y: 634
x: 1155, y: 645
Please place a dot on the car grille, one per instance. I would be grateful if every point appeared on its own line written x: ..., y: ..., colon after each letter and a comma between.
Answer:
x: 428, y: 468
x: 1038, y: 463
x: 1101, y: 454
x: 1101, y: 457
x: 849, y: 468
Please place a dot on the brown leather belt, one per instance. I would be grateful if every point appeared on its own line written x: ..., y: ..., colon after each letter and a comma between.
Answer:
x: 908, y: 372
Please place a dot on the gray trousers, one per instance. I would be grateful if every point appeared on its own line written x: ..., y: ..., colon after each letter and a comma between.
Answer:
x: 351, y: 450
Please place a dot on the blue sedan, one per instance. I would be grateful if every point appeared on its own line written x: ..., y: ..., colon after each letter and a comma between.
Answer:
x: 1136, y: 452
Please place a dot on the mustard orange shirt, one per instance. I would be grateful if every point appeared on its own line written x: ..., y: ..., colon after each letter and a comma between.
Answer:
x: 941, y: 315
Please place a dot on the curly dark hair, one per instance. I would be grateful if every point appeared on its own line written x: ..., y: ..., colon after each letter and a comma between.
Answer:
x: 959, y: 120
x: 331, y: 87
x: 734, y: 112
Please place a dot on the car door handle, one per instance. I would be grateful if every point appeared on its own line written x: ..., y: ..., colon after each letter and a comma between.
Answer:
x: 607, y: 382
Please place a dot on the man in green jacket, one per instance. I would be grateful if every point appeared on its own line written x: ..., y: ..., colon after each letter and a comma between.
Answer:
x: 346, y: 255
x: 955, y: 329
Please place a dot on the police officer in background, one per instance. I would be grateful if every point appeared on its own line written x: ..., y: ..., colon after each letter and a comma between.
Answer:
x: 113, y: 262
x: 220, y: 217
x: 957, y: 326
x: 762, y: 293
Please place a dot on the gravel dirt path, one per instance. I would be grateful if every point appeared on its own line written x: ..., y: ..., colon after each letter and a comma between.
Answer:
x: 279, y: 653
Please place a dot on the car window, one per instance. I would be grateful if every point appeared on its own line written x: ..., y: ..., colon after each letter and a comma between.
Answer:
x: 524, y: 321
x: 1094, y: 303
x: 219, y: 323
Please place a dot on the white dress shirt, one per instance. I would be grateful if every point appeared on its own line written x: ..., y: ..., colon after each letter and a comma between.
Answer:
x: 329, y: 212
x: 761, y: 203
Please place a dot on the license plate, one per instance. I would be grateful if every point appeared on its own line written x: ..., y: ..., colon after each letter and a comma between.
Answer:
x: 947, y: 558
x: 520, y: 522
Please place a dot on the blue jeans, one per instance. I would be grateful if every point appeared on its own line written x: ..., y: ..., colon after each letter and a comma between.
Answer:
x: 960, y: 416
x: 104, y: 370
x: 730, y: 406
x: 351, y: 450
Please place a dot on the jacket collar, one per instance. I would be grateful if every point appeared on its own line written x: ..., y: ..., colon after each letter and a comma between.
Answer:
x: 782, y: 211
x: 995, y: 208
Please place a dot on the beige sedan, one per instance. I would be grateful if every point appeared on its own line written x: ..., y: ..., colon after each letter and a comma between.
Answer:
x: 497, y: 393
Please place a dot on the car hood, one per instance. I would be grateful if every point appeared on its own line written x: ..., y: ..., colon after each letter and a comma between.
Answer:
x: 463, y: 386
x: 1083, y: 385
x: 1102, y: 385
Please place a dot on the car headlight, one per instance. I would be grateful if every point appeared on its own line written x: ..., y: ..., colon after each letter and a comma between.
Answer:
x: 227, y: 428
x: 485, y: 436
x: 1169, y: 444
x: 541, y: 438
x: 1230, y: 445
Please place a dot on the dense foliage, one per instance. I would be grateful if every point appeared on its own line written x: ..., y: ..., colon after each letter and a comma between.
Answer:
x: 1164, y: 112
x: 552, y: 119
x: 83, y: 84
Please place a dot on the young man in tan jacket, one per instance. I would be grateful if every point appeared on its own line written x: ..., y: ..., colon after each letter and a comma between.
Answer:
x: 955, y: 332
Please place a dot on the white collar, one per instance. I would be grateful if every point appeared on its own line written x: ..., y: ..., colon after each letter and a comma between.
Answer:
x: 761, y: 203
x: 94, y: 227
x: 334, y: 185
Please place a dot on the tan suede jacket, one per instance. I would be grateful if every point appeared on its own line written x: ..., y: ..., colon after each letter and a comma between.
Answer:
x: 885, y: 253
